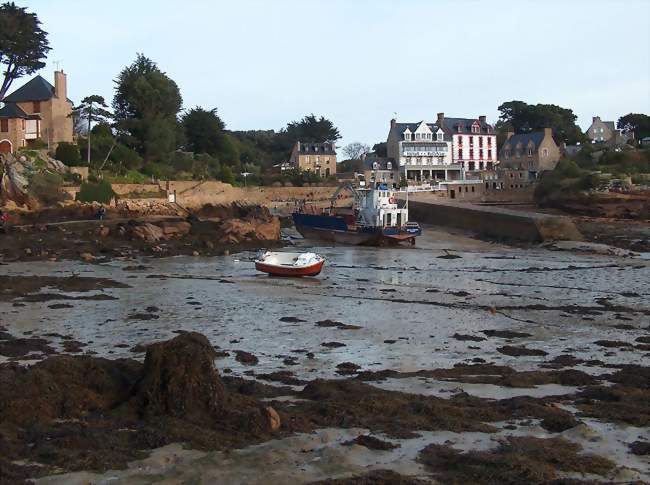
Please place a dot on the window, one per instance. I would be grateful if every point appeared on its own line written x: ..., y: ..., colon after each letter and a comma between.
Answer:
x: 490, y: 153
x: 489, y: 141
x: 439, y: 136
x: 23, y: 120
x: 471, y: 153
x: 307, y: 159
x: 472, y: 188
x: 389, y: 165
x: 476, y: 128
x: 459, y: 128
x: 530, y: 152
x: 480, y: 142
x: 37, y: 107
x: 460, y: 153
x: 4, y: 125
x: 545, y: 152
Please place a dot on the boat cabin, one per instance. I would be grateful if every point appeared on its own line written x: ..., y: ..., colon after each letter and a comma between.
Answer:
x: 380, y: 208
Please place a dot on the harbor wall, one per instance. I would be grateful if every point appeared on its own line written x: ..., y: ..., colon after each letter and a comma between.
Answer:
x: 495, y: 221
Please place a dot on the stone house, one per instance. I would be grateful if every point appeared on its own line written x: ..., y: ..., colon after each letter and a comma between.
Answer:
x: 382, y: 171
x: 36, y: 111
x: 606, y: 132
x: 319, y: 158
x: 534, y: 152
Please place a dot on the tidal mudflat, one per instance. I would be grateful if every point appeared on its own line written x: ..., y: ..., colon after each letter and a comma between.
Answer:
x: 402, y: 363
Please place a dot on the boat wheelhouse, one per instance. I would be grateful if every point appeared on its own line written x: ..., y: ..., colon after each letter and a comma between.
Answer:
x: 376, y: 217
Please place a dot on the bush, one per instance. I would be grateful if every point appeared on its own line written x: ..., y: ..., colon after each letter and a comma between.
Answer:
x: 101, y: 192
x: 46, y: 187
x: 130, y: 177
x: 227, y: 175
x: 68, y: 153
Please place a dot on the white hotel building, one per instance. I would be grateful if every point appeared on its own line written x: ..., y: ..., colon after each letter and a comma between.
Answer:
x: 422, y: 153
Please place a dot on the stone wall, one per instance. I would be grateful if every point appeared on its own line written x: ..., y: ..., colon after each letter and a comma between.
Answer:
x: 494, y: 221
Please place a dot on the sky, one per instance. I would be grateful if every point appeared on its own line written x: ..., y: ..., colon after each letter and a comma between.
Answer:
x: 361, y: 62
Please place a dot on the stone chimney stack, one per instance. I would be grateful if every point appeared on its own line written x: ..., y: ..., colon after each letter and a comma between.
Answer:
x: 509, y: 134
x: 595, y: 118
x: 548, y: 132
x: 440, y: 120
x: 60, y: 85
x: 393, y: 122
x: 482, y: 119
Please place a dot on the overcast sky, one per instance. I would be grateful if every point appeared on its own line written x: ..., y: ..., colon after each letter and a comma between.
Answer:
x: 357, y: 62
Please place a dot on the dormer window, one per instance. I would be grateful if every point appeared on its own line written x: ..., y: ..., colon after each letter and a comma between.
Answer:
x: 476, y: 128
x: 375, y: 166
x: 389, y: 165
x: 439, y: 136
x: 459, y: 128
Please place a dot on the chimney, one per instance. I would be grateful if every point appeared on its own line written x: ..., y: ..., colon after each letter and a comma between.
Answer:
x: 60, y: 85
x: 509, y: 134
x: 482, y: 119
x: 595, y: 118
x: 393, y: 122
x: 440, y: 120
x: 548, y: 132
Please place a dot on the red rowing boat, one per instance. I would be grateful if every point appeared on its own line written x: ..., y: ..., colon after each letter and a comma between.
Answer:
x: 289, y: 264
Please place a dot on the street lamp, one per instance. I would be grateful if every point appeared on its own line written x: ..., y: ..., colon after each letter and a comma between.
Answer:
x: 245, y: 175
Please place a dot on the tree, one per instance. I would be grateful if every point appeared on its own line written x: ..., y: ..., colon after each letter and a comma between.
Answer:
x: 146, y: 104
x: 227, y: 175
x: 356, y: 150
x: 92, y: 110
x: 380, y: 149
x: 637, y: 123
x: 67, y: 153
x: 23, y: 44
x: 311, y: 129
x: 521, y: 117
x: 203, y: 130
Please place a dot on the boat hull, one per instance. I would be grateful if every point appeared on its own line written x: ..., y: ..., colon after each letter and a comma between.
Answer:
x: 337, y: 236
x: 273, y: 270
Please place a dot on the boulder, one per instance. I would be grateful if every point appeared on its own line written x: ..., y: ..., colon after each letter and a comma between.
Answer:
x: 87, y: 257
x: 148, y: 232
x: 268, y: 231
x: 180, y: 380
x: 175, y: 229
x: 274, y: 419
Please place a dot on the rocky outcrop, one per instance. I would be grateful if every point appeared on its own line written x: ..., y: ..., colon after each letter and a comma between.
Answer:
x: 14, y: 170
x: 236, y: 230
x: 162, y: 231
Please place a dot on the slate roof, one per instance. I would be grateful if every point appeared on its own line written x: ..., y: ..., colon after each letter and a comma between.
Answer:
x: 610, y: 125
x: 37, y: 89
x: 536, y: 137
x: 382, y: 164
x: 400, y: 128
x: 11, y: 110
x: 317, y: 148
x: 451, y: 124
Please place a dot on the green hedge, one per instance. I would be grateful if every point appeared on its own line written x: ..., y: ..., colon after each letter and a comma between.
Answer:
x: 100, y: 191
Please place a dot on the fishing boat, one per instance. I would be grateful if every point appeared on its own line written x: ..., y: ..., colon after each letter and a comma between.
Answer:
x: 376, y: 217
x: 289, y: 264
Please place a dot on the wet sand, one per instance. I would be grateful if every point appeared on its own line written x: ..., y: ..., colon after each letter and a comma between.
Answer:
x: 400, y: 309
